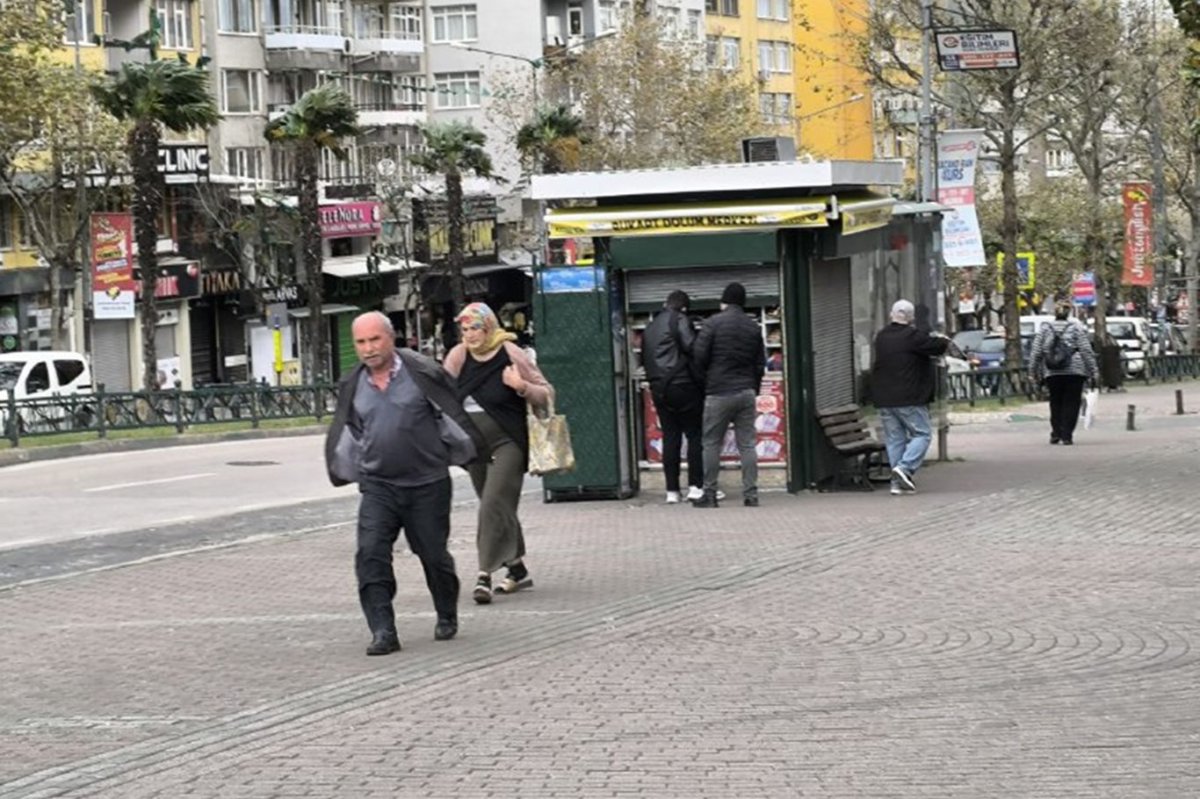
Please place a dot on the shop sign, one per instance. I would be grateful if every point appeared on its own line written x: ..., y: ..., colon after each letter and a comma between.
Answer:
x: 113, y: 284
x: 431, y: 230
x: 964, y: 51
x: 10, y: 328
x: 360, y: 290
x: 183, y: 163
x: 349, y: 219
x: 864, y: 215
x: 288, y: 293
x: 176, y: 281
x: 220, y: 282
x: 570, y: 279
x: 693, y: 218
x: 1139, y: 241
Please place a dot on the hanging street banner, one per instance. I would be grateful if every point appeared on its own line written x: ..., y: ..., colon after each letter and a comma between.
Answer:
x: 957, y: 156
x: 1083, y: 288
x: 113, y: 285
x: 963, y: 51
x: 1139, y: 235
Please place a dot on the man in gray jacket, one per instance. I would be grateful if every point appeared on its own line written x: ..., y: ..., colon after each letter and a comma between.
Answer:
x: 386, y: 436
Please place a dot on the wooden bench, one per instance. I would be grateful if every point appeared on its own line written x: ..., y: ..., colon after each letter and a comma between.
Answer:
x: 852, y: 439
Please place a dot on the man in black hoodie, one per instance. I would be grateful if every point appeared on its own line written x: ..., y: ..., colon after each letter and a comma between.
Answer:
x: 902, y: 385
x: 678, y: 395
x: 730, y: 352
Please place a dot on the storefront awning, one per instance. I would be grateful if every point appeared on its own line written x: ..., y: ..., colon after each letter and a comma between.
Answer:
x: 665, y: 220
x: 327, y: 309
x: 350, y: 266
x: 865, y: 211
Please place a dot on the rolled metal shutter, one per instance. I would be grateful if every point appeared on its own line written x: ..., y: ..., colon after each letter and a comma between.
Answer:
x: 651, y: 286
x: 203, y: 332
x: 110, y: 354
x: 833, y: 333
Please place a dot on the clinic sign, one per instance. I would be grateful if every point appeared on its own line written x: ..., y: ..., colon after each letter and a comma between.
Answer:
x: 967, y: 51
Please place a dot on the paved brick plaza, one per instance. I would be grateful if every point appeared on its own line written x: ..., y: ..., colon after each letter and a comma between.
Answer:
x: 1024, y: 627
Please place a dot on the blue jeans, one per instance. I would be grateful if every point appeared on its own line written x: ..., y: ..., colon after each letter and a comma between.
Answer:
x: 906, y: 434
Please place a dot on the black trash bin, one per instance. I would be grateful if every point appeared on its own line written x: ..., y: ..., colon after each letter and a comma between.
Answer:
x: 1112, y: 366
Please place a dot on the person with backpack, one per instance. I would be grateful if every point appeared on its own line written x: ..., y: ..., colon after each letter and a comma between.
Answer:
x: 678, y: 393
x: 1063, y: 358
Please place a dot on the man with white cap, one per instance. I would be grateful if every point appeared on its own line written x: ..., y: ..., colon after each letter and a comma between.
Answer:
x: 902, y: 384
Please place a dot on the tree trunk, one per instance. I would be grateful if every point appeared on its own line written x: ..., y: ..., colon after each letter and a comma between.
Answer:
x: 307, y: 164
x: 1010, y: 277
x: 1193, y: 250
x: 147, y: 205
x: 1095, y: 247
x: 454, y: 226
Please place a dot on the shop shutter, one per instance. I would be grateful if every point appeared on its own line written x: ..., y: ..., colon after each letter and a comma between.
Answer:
x: 233, y: 343
x: 110, y: 354
x: 833, y: 333
x: 203, y: 332
x: 651, y: 286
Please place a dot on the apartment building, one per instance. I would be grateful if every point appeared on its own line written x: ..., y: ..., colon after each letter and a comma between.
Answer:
x: 757, y: 37
x: 834, y: 108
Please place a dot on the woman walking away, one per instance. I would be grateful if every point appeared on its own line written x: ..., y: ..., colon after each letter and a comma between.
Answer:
x: 495, y: 380
x: 1062, y: 356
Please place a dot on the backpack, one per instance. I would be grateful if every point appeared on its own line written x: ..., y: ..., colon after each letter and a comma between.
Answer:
x: 1058, y: 353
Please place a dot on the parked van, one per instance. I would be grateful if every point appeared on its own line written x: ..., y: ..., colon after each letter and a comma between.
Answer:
x: 43, y: 374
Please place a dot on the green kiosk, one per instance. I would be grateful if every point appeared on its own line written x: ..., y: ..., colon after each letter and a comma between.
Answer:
x: 821, y: 248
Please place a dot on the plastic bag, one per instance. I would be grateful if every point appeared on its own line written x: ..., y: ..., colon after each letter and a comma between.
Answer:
x: 1089, y: 407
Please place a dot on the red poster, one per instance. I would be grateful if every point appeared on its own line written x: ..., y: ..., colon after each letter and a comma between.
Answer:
x: 112, y: 266
x: 771, y: 444
x: 350, y: 219
x: 1139, y: 235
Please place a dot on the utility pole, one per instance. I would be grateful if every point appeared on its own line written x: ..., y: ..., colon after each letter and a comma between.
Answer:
x: 925, y: 148
x: 1158, y: 180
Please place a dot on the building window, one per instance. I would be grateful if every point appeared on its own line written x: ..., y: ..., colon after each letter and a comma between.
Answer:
x: 175, y: 21
x: 575, y: 20
x: 80, y: 27
x: 607, y: 17
x: 335, y: 13
x: 775, y: 108
x: 729, y: 8
x: 236, y: 16
x: 457, y: 89
x: 774, y: 9
x: 406, y: 21
x: 455, y: 24
x: 731, y: 52
x: 244, y: 162
x: 774, y: 56
x: 6, y: 224
x: 695, y: 25
x: 241, y: 92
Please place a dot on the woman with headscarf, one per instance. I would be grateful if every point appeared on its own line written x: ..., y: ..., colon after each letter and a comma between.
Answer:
x: 495, y: 381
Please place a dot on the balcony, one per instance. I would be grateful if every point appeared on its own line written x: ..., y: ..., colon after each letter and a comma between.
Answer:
x: 292, y: 47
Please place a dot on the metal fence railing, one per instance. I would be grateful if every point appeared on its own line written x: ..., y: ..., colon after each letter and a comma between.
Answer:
x: 1014, y: 384
x: 102, y: 412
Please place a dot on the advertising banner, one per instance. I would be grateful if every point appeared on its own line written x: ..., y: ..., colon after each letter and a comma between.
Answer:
x: 770, y: 428
x: 960, y: 51
x: 665, y: 220
x: 350, y: 219
x: 113, y: 285
x: 957, y: 156
x: 1083, y: 288
x: 1139, y: 236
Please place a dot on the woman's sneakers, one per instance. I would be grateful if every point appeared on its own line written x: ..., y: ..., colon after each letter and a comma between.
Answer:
x: 483, y: 589
x: 516, y: 580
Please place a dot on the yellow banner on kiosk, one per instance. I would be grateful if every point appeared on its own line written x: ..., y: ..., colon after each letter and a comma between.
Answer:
x: 666, y: 220
x: 860, y: 214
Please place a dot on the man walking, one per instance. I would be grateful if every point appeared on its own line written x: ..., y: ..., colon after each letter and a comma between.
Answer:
x: 386, y: 436
x: 902, y: 385
x: 729, y: 352
x: 677, y: 392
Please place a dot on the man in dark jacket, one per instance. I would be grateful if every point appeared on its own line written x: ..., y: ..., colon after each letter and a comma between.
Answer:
x: 677, y: 393
x: 386, y: 436
x: 730, y: 353
x: 902, y: 384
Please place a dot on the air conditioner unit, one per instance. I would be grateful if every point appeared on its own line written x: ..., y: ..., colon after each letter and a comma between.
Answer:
x: 768, y: 148
x: 764, y: 74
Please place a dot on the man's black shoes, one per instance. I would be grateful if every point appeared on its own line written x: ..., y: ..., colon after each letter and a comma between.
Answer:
x: 384, y: 642
x: 750, y: 502
x: 706, y: 501
x: 445, y: 629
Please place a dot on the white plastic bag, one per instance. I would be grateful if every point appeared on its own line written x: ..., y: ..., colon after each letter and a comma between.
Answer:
x: 1089, y: 407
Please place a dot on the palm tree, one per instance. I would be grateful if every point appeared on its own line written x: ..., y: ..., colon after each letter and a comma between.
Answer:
x: 318, y: 121
x: 169, y: 94
x: 454, y: 149
x: 552, y: 139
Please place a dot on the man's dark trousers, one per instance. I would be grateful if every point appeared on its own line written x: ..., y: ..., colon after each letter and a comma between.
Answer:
x: 681, y: 413
x: 1066, y: 397
x: 424, y: 513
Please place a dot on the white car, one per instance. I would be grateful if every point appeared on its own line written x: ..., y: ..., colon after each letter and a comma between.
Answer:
x: 43, y: 375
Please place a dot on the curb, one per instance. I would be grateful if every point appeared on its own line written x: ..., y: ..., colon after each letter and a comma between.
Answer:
x: 13, y: 457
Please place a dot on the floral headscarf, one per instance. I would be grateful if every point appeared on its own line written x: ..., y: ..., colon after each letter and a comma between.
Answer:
x: 479, y: 315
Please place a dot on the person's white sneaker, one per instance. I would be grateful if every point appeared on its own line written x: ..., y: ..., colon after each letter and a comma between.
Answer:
x: 694, y: 493
x: 673, y: 497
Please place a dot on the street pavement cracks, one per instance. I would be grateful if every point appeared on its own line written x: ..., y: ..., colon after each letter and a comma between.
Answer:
x: 1024, y: 626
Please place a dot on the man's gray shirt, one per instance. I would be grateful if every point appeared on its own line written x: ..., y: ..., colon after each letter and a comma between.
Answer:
x: 400, y: 439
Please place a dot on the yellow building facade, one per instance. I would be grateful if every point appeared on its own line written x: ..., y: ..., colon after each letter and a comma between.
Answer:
x: 834, y: 107
x: 756, y: 37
